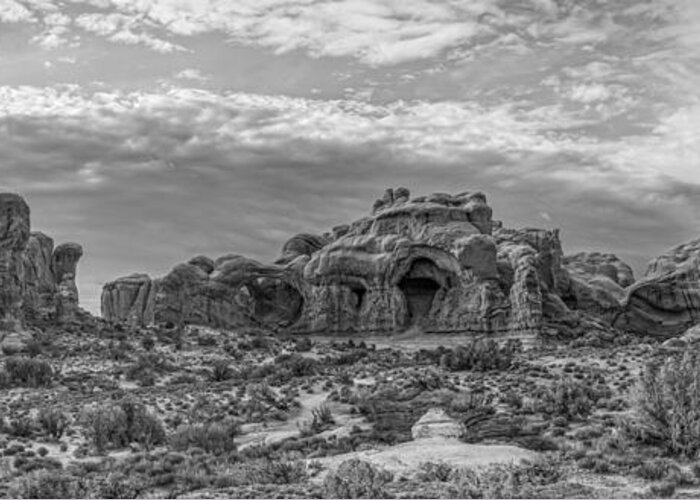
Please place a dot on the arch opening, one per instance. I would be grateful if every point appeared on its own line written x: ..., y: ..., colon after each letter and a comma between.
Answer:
x: 419, y: 287
x: 275, y: 302
x: 359, y: 292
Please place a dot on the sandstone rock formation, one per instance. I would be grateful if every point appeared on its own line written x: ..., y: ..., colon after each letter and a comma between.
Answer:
x: 129, y: 299
x: 666, y: 301
x: 437, y: 424
x: 597, y: 284
x: 436, y: 263
x: 35, y: 279
x: 14, y: 237
x: 64, y: 263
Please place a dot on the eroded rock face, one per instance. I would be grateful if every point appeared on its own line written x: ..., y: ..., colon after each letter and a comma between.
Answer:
x: 597, y: 284
x: 129, y: 299
x: 666, y: 301
x: 40, y: 285
x: 436, y: 263
x: 35, y: 279
x: 64, y: 264
x: 14, y: 237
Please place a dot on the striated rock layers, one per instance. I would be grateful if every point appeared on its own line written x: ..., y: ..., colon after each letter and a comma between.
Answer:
x: 35, y: 278
x: 666, y: 301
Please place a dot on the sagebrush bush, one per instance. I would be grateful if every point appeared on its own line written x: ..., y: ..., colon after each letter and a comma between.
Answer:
x: 213, y: 437
x: 356, y: 479
x: 28, y: 372
x: 668, y: 404
x: 52, y: 421
x: 567, y: 398
x: 220, y: 371
x: 507, y: 481
x: 47, y: 484
x: 117, y: 425
x: 481, y: 355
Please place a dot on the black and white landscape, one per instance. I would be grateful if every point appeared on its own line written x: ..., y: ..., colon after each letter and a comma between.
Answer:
x: 349, y: 249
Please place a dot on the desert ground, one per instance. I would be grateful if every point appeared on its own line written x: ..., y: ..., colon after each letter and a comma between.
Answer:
x: 95, y: 409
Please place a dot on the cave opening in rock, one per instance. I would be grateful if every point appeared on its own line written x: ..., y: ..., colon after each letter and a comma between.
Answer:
x: 419, y: 286
x: 359, y: 293
x: 275, y: 302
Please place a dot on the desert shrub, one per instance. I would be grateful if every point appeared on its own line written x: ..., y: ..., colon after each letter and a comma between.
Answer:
x: 321, y: 420
x: 481, y: 355
x: 146, y: 367
x: 431, y: 472
x: 33, y: 348
x: 213, y: 437
x: 47, y: 484
x: 657, y: 469
x: 668, y: 404
x: 207, y: 339
x: 303, y: 344
x: 296, y: 365
x: 119, y: 424
x: 52, y: 421
x: 22, y: 427
x: 220, y: 371
x: 507, y: 481
x: 567, y: 398
x: 54, y: 483
x: 356, y: 479
x: 268, y: 471
x: 148, y: 343
x: 28, y: 372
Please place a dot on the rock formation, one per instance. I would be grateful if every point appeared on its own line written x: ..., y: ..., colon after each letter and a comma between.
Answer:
x: 35, y: 279
x: 437, y: 424
x: 436, y: 263
x: 129, y: 299
x: 14, y: 237
x: 666, y: 301
x: 597, y: 284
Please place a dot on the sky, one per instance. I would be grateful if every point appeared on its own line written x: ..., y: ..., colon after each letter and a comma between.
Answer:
x: 151, y: 131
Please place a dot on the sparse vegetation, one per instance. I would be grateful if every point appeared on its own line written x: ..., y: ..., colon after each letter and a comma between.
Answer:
x: 668, y: 404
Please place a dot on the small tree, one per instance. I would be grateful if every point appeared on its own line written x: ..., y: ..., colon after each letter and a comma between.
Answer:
x: 668, y: 404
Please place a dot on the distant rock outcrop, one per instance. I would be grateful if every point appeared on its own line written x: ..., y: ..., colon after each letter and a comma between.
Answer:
x: 666, y: 301
x: 436, y: 263
x: 129, y: 299
x: 597, y: 284
x: 35, y: 279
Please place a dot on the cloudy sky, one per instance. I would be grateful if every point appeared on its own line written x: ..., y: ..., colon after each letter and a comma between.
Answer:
x: 153, y: 130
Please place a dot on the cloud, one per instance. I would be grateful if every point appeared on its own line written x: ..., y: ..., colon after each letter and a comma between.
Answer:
x: 123, y: 28
x: 192, y: 74
x: 129, y: 174
x: 376, y: 33
x: 12, y: 11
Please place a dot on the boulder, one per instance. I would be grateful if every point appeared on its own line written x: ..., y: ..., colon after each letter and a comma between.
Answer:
x: 15, y: 342
x: 437, y: 424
